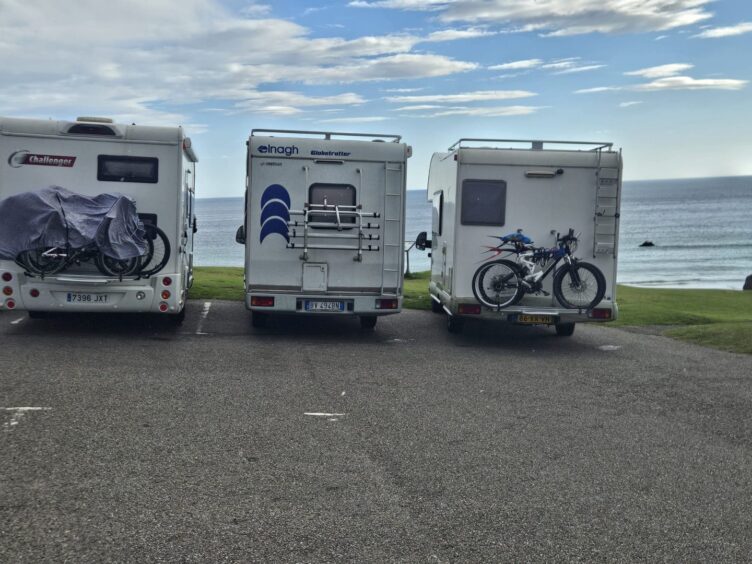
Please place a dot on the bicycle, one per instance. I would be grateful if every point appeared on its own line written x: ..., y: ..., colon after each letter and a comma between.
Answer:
x: 502, y: 283
x: 48, y: 261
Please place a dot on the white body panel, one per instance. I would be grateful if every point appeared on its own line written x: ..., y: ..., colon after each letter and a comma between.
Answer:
x: 170, y: 198
x: 284, y: 263
x: 546, y: 190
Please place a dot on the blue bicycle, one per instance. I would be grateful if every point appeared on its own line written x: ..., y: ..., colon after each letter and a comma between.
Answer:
x: 502, y: 283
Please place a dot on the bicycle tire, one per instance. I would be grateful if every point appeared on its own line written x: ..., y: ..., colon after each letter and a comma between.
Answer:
x: 502, y: 272
x: 579, y: 296
x: 114, y: 267
x: 158, y: 252
x: 35, y: 262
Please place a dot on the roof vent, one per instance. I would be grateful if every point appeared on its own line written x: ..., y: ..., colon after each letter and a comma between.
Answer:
x: 91, y: 129
x: 94, y: 119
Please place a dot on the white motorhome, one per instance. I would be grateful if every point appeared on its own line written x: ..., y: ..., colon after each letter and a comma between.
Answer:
x: 154, y: 166
x: 485, y: 189
x: 324, y: 224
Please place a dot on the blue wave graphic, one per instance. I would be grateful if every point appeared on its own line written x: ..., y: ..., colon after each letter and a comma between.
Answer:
x: 275, y: 212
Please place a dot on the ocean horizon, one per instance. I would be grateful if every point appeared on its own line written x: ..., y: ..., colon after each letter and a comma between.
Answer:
x: 701, y: 229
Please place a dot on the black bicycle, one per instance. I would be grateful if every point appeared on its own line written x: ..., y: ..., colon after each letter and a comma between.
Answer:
x: 48, y: 261
x: 502, y: 283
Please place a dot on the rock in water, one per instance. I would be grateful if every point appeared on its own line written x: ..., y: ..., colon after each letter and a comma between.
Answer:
x: 647, y: 244
x: 748, y: 283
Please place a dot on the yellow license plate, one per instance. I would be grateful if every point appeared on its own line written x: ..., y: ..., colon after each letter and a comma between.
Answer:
x: 535, y: 319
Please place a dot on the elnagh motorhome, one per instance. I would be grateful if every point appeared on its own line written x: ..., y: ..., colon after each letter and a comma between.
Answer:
x: 324, y: 224
x: 153, y: 168
x: 524, y: 231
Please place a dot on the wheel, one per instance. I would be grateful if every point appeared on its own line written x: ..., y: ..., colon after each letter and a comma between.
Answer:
x: 178, y: 318
x: 258, y: 319
x: 368, y: 322
x: 497, y: 284
x: 580, y: 285
x: 114, y: 267
x: 37, y: 262
x: 455, y: 324
x: 564, y: 329
x: 158, y: 251
x: 436, y: 307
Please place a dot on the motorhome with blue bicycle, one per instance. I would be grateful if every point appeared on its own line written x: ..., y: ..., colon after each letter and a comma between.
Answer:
x: 525, y: 232
x: 324, y: 224
x: 93, y: 163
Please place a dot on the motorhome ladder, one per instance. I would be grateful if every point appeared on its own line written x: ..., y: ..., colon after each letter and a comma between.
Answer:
x: 606, y: 217
x: 392, y: 257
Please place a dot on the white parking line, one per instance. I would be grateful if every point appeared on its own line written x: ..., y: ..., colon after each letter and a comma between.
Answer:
x: 18, y: 413
x: 17, y: 321
x: 316, y: 414
x: 204, y: 315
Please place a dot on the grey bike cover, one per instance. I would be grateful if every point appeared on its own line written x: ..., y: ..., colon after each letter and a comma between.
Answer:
x: 56, y: 217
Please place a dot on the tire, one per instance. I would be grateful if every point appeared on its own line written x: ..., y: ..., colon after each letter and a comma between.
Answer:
x: 564, y: 329
x: 585, y: 295
x: 158, y: 251
x: 436, y: 307
x: 497, y: 284
x: 178, y: 318
x: 455, y: 324
x: 36, y: 263
x: 114, y: 267
x: 368, y: 322
x: 259, y: 320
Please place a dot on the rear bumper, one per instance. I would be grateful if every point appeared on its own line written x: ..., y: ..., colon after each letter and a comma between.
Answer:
x: 285, y: 303
x: 91, y: 294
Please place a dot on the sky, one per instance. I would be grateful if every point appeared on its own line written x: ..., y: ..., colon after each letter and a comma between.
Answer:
x: 668, y: 81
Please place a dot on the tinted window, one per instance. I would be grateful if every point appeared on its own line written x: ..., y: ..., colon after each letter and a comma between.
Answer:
x: 113, y: 168
x: 484, y: 202
x: 332, y: 195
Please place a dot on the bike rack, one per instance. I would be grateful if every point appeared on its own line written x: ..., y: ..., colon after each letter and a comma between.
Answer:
x: 535, y: 144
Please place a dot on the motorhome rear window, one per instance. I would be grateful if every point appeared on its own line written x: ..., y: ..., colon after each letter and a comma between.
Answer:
x: 484, y: 202
x: 332, y: 195
x: 115, y: 168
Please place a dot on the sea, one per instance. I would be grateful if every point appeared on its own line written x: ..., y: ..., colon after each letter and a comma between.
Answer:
x: 701, y: 230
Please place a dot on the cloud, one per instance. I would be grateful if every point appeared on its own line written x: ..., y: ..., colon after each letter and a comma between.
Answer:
x: 403, y: 90
x: 661, y: 71
x: 354, y: 119
x: 417, y: 108
x: 477, y: 96
x: 290, y: 103
x: 630, y: 104
x: 500, y: 111
x: 729, y: 31
x: 562, y: 17
x: 597, y: 89
x: 455, y: 34
x: 518, y: 65
x: 582, y: 68
x: 560, y: 66
x: 689, y: 83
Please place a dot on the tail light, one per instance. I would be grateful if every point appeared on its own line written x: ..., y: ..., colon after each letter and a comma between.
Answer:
x: 167, y: 281
x: 7, y: 277
x: 600, y: 313
x: 10, y: 304
x: 163, y: 307
x: 166, y: 294
x: 8, y: 291
x: 473, y: 309
x: 34, y: 293
x: 262, y: 301
x: 390, y: 303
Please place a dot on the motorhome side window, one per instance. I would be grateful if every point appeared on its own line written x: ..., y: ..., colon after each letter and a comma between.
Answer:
x: 116, y: 168
x: 484, y: 202
x: 341, y: 195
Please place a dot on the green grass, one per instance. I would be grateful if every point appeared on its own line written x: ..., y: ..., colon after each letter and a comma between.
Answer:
x: 713, y: 318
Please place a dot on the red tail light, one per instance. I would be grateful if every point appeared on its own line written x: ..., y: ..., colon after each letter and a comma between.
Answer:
x: 163, y: 307
x: 391, y: 303
x: 8, y: 291
x: 262, y: 301
x: 600, y: 313
x: 473, y: 309
x: 166, y: 294
x: 10, y: 304
x: 167, y: 281
x: 34, y: 293
x: 7, y: 277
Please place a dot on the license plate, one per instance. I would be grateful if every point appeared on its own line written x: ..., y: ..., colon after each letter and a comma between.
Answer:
x: 311, y: 305
x: 79, y: 298
x: 535, y: 319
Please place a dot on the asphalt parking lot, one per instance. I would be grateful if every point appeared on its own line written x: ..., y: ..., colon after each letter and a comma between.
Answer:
x: 310, y: 441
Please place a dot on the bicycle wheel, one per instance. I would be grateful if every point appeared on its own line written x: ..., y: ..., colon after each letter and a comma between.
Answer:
x: 113, y: 267
x: 579, y: 286
x: 497, y: 284
x: 158, y: 252
x: 37, y: 262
